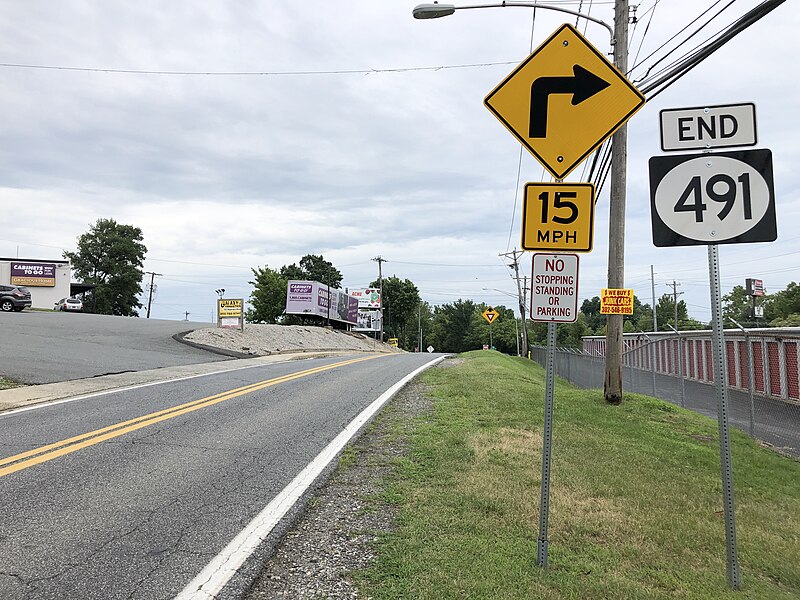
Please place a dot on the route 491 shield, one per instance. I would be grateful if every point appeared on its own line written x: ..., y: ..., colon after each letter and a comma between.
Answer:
x: 720, y: 198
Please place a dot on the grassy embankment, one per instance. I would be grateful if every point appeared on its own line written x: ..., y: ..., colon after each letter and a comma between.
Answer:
x: 635, y: 505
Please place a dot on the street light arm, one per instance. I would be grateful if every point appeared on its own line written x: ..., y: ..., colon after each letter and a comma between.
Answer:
x: 436, y: 10
x: 737, y: 325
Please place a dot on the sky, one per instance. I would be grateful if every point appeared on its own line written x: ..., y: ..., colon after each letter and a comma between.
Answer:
x: 247, y: 134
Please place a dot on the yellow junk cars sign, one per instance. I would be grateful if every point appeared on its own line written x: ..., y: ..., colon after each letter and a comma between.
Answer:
x: 564, y: 100
x: 616, y: 301
x: 558, y: 216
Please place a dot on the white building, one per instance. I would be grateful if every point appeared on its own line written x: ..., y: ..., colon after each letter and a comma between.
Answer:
x: 47, y: 280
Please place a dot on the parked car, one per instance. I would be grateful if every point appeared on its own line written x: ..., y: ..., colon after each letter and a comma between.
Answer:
x: 14, y: 297
x: 69, y: 304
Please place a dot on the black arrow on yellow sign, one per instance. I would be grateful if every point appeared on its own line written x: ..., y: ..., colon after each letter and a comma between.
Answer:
x: 582, y: 85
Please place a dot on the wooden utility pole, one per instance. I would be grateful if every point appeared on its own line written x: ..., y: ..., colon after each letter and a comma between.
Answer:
x: 514, y: 256
x: 150, y: 295
x: 380, y: 260
x: 612, y: 389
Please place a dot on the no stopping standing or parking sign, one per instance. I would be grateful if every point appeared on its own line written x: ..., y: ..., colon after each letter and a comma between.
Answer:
x: 554, y: 290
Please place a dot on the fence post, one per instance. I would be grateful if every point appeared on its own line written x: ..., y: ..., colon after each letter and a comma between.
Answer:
x: 680, y: 365
x: 751, y: 372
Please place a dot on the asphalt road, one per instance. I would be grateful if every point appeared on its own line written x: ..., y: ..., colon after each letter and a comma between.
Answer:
x: 137, y: 511
x: 45, y: 347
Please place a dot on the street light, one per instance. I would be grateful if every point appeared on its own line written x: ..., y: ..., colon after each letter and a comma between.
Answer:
x: 436, y: 10
x: 612, y: 386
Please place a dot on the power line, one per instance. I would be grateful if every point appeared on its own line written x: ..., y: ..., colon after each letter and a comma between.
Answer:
x: 253, y: 73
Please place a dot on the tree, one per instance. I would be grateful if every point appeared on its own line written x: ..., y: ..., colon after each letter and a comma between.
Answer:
x: 594, y: 320
x: 313, y: 267
x: 452, y: 324
x: 782, y: 306
x: 504, y: 329
x: 571, y: 334
x: 110, y: 256
x: 737, y: 305
x: 665, y: 313
x: 268, y: 298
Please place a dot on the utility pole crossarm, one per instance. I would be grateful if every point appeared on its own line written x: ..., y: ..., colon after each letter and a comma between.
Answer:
x: 514, y: 256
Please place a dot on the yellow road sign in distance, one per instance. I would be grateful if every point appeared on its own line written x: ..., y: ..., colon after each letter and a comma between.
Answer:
x: 490, y: 315
x: 558, y: 216
x: 564, y: 100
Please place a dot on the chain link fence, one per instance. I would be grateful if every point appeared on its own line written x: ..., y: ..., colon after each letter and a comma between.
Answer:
x: 763, y: 381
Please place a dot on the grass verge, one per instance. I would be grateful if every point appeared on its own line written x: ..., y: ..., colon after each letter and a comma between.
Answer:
x: 7, y: 383
x: 635, y: 504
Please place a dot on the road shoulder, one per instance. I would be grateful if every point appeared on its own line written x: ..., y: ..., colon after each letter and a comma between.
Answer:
x: 336, y: 534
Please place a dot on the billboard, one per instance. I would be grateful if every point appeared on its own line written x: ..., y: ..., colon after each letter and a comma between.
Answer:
x: 317, y: 299
x: 33, y: 274
x: 230, y: 313
x: 368, y: 298
x: 230, y: 307
x: 754, y: 287
x: 368, y: 320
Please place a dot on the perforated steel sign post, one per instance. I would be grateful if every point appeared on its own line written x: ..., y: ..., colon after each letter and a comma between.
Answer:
x: 711, y: 199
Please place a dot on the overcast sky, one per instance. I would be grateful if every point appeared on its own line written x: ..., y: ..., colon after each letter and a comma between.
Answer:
x: 264, y: 131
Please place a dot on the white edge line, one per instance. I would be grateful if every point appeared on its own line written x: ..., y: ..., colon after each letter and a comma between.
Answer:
x: 210, y: 581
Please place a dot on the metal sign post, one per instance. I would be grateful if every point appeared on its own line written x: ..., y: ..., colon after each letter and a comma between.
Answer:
x: 721, y: 384
x: 541, y: 546
x: 554, y: 299
x: 491, y: 315
x: 712, y: 199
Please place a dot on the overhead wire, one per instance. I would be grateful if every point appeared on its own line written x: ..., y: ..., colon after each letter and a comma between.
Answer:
x: 678, y: 33
x: 253, y: 73
x: 519, y: 161
x: 745, y: 21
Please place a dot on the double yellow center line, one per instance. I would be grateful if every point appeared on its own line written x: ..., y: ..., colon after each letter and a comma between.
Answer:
x: 21, y: 461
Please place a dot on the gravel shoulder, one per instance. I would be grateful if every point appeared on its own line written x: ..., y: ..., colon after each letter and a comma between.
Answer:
x: 266, y: 340
x: 336, y: 533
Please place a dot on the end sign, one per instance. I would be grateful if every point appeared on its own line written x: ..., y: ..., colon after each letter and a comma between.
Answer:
x: 555, y: 288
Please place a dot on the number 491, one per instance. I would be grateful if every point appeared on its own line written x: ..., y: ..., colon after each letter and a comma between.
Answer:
x: 691, y: 199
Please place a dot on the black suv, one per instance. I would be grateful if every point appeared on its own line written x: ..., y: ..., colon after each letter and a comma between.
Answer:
x: 14, y: 297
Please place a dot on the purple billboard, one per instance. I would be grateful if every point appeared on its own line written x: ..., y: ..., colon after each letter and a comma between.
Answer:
x: 33, y: 274
x: 314, y: 298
